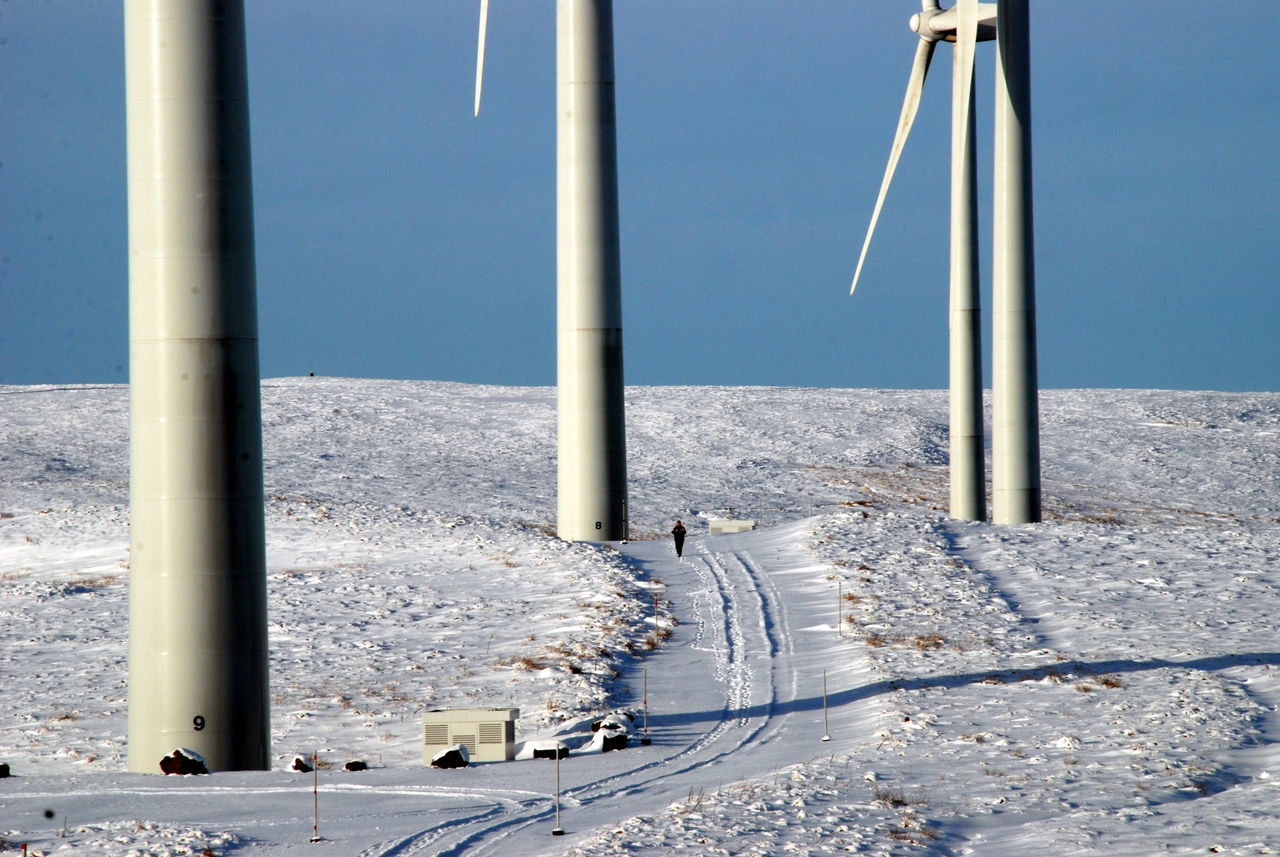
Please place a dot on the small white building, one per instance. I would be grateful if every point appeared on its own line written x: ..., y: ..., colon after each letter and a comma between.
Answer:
x: 730, y: 525
x: 489, y: 734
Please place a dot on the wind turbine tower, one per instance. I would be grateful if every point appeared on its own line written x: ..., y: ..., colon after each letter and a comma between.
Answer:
x: 197, y: 588
x: 964, y: 24
x: 1015, y: 430
x: 592, y: 481
x: 1015, y: 424
x: 591, y: 427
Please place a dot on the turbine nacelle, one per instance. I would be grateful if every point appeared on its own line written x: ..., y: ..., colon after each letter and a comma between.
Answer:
x: 940, y: 25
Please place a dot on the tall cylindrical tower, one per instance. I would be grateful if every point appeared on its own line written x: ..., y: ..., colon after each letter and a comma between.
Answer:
x: 592, y: 474
x: 1015, y: 430
x: 197, y: 603
x: 967, y: 448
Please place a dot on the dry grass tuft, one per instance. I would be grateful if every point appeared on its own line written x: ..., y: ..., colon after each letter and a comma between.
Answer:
x: 97, y: 581
x: 913, y: 831
x: 927, y: 642
x: 546, y: 529
x: 891, y: 796
x: 527, y: 663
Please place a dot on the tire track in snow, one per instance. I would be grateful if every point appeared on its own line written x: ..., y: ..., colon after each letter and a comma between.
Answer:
x: 733, y: 668
x: 417, y: 841
x: 740, y: 622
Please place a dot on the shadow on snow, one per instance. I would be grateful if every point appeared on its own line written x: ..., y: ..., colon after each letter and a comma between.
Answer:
x: 1060, y: 668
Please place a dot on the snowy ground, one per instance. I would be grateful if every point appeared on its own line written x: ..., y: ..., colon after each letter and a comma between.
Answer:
x: 1103, y: 683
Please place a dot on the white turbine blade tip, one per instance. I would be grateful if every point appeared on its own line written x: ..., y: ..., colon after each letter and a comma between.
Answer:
x: 862, y: 257
x: 910, y: 105
x: 484, y: 24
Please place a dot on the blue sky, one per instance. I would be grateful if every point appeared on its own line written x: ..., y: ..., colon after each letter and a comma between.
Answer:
x: 398, y: 237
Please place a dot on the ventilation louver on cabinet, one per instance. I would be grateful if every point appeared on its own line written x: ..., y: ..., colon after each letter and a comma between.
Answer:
x: 489, y: 734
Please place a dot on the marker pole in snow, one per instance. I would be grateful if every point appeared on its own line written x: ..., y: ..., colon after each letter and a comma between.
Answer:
x: 645, y: 707
x: 826, y: 727
x: 839, y: 607
x: 557, y: 830
x: 315, y: 798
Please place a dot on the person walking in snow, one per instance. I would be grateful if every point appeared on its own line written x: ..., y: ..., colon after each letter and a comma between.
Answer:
x: 677, y: 533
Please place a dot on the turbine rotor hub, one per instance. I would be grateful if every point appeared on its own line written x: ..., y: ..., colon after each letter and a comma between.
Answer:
x: 919, y: 25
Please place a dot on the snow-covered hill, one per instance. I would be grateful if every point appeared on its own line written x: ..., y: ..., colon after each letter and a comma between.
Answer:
x: 1101, y: 683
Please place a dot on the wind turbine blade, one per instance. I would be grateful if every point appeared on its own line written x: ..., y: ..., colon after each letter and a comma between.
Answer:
x: 962, y: 97
x: 910, y: 105
x: 484, y: 25
x: 966, y: 47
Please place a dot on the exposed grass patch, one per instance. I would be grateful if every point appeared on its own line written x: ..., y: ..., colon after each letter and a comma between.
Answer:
x: 93, y: 581
x: 891, y: 797
x: 927, y: 642
x: 527, y: 663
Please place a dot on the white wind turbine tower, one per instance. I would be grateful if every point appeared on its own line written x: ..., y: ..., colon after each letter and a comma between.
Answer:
x: 1015, y: 436
x: 1016, y: 489
x: 197, y: 579
x: 591, y: 430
